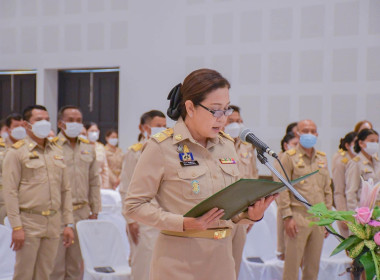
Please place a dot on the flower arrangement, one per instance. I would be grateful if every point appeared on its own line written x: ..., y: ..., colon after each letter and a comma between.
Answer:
x: 363, y: 245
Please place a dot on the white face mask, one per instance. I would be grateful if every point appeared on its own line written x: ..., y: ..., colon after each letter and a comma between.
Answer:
x: 41, y: 129
x: 18, y: 133
x: 4, y: 135
x: 113, y: 141
x: 73, y: 129
x: 155, y: 130
x: 372, y: 148
x: 93, y: 136
x: 233, y: 129
x: 50, y: 138
x: 352, y: 149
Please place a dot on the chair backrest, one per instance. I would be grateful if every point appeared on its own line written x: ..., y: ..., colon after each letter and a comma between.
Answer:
x: 7, y: 223
x: 7, y: 255
x: 101, y: 244
x: 111, y: 200
x: 262, y: 239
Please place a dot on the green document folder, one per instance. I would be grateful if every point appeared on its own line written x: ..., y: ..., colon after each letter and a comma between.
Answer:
x: 238, y: 196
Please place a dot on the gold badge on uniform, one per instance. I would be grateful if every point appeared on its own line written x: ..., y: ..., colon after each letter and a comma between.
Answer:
x: 227, y: 161
x: 186, y: 157
x: 321, y: 164
x: 84, y: 152
x: 245, y: 155
x: 58, y: 157
x: 195, y: 186
x: 33, y: 155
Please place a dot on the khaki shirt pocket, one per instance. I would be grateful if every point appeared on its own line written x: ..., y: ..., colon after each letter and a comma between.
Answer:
x: 230, y: 173
x: 194, y: 182
x: 86, y: 158
x: 35, y: 171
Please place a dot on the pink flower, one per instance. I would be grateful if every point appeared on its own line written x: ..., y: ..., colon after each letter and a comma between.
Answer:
x: 376, y: 238
x: 374, y: 223
x: 363, y: 215
x: 369, y: 193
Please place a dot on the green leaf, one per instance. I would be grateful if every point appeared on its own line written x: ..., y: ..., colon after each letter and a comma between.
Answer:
x: 349, y: 242
x: 325, y: 222
x: 369, y: 265
x: 376, y: 213
x: 356, y: 250
x: 358, y: 230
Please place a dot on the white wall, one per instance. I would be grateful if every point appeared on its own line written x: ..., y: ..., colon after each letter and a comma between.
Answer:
x: 286, y: 60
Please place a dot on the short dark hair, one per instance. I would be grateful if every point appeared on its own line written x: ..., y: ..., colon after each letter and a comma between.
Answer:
x: 290, y: 127
x: 363, y: 134
x: 288, y: 136
x: 110, y: 131
x: 62, y: 110
x: 27, y: 113
x: 236, y: 108
x: 347, y: 139
x: 11, y: 117
x: 89, y: 124
x: 147, y: 117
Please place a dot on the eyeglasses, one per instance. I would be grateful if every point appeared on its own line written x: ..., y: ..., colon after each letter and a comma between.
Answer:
x: 218, y: 113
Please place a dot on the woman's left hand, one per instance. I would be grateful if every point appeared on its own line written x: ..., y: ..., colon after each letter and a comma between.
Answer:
x: 256, y: 211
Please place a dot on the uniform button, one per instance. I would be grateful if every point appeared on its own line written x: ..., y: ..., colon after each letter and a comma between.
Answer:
x: 193, y: 174
x: 215, y: 177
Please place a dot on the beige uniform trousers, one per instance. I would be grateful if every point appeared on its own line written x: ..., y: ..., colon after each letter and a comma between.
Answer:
x: 141, y: 253
x: 307, y: 244
x: 35, y: 258
x: 239, y: 235
x: 192, y: 259
x: 280, y: 234
x: 69, y: 260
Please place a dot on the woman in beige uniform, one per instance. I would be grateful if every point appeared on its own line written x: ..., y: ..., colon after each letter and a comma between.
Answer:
x: 93, y: 136
x: 366, y: 165
x: 339, y: 168
x: 182, y: 166
x: 114, y: 157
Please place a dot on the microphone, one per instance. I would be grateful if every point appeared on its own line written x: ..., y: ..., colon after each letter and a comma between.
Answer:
x: 247, y: 136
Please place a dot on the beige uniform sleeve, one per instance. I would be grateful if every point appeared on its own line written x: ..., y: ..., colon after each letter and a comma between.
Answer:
x: 11, y: 182
x: 283, y: 199
x: 353, y: 184
x: 129, y: 165
x: 145, y: 184
x: 255, y: 173
x: 328, y: 191
x: 94, y: 183
x: 105, y: 174
x: 66, y: 201
x: 338, y: 175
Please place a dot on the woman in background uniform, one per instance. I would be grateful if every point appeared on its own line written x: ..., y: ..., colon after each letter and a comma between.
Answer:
x: 93, y: 136
x: 114, y: 157
x: 182, y: 166
x: 339, y: 168
x: 366, y: 165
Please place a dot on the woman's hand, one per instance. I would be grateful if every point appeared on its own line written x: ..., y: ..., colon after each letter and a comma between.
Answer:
x: 256, y: 211
x: 203, y: 222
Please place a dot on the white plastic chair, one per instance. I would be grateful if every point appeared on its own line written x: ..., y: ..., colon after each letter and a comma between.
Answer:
x: 7, y: 223
x: 7, y: 255
x: 111, y: 200
x: 101, y: 246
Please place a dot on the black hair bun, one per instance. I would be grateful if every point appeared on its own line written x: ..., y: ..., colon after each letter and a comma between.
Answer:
x: 175, y: 97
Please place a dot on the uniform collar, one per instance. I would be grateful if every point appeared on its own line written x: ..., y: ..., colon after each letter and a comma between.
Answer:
x: 63, y: 139
x: 31, y: 144
x: 181, y: 133
x: 301, y: 151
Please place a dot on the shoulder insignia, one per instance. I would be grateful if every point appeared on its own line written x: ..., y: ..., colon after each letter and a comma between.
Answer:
x: 344, y: 160
x: 246, y: 143
x: 226, y: 135
x: 136, y: 147
x: 321, y: 153
x: 291, y: 152
x: 356, y: 159
x: 54, y: 140
x: 161, y: 136
x: 342, y: 152
x: 2, y: 144
x: 18, y: 144
x: 84, y: 140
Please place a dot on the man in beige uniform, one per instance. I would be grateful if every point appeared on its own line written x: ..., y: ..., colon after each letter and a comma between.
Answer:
x: 83, y: 171
x: 13, y: 127
x: 37, y: 197
x: 304, y: 242
x: 248, y: 170
x: 141, y: 237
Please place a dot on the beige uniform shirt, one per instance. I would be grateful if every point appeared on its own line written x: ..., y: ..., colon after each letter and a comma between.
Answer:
x: 83, y: 172
x: 178, y: 188
x: 103, y: 165
x: 314, y: 189
x: 129, y: 164
x: 35, y: 178
x: 339, y: 168
x: 115, y: 162
x: 358, y: 167
x: 247, y: 160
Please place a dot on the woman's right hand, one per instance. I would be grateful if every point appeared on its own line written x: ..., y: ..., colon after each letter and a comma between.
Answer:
x: 203, y: 222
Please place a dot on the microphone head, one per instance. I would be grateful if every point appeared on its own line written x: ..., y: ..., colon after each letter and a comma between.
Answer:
x: 244, y: 133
